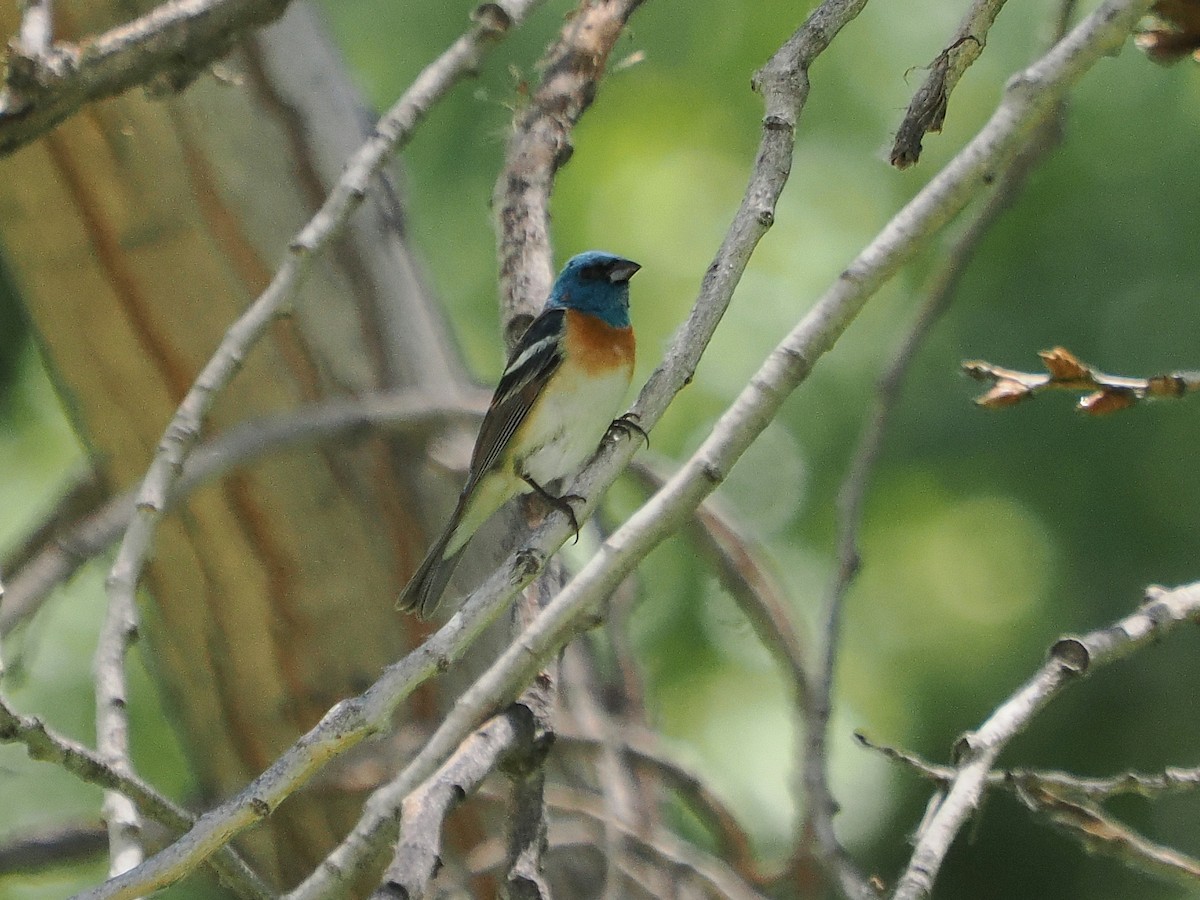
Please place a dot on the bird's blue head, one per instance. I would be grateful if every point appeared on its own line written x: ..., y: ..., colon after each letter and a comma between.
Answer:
x: 597, y: 283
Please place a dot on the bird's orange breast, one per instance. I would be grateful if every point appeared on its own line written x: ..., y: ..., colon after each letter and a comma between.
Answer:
x: 597, y: 347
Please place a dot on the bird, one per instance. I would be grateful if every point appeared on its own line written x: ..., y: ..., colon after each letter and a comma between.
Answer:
x: 556, y: 399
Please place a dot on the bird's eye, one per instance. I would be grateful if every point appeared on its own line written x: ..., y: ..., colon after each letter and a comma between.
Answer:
x: 594, y: 272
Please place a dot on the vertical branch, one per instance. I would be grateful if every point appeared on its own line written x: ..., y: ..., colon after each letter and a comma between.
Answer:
x: 627, y: 806
x: 37, y: 27
x: 540, y: 145
x: 1069, y: 659
x: 524, y: 879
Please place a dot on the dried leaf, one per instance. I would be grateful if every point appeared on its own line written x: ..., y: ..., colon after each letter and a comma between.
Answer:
x: 1110, y: 400
x: 1178, y: 34
x: 1063, y: 365
x: 1166, y: 386
x: 1004, y: 392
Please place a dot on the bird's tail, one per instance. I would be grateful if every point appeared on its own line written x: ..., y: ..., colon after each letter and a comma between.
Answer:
x: 424, y: 590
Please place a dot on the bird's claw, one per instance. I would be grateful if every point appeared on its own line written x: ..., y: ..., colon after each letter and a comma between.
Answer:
x: 562, y: 504
x: 627, y: 423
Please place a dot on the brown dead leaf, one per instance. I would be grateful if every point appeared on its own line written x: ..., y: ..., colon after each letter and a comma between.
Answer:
x: 1003, y: 393
x: 1110, y: 400
x: 1178, y: 34
x: 1063, y: 365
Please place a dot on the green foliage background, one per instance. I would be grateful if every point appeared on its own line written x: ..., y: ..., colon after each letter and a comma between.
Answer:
x: 987, y: 535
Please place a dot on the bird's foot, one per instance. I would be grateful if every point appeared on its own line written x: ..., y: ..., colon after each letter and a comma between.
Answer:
x: 562, y: 504
x: 628, y: 424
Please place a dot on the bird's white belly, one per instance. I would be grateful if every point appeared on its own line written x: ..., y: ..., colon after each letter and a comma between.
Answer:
x: 571, y: 420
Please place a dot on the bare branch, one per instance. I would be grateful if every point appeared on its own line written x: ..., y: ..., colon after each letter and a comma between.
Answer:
x: 820, y: 805
x: 418, y: 852
x: 1070, y: 658
x: 1171, y: 780
x: 1101, y: 833
x: 927, y: 110
x: 1066, y: 800
x: 1064, y: 372
x: 44, y: 745
x: 52, y: 555
x: 51, y: 848
x: 539, y: 146
x: 659, y: 846
x: 165, y: 49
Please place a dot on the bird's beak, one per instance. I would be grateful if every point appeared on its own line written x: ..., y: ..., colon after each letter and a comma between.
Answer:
x: 622, y: 270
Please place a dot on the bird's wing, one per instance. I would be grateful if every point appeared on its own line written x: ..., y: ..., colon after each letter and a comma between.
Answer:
x: 533, y: 362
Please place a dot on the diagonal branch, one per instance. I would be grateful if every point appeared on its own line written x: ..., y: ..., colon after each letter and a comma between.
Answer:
x: 1099, y: 832
x: 53, y: 554
x: 1069, y: 659
x: 166, y: 48
x: 45, y: 745
x: 820, y: 805
x: 1070, y: 803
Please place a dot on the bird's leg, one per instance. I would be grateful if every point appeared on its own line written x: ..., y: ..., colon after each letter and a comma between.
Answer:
x: 562, y: 504
x: 627, y: 422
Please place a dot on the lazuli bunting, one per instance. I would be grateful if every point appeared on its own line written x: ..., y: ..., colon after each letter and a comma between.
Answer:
x: 558, y: 395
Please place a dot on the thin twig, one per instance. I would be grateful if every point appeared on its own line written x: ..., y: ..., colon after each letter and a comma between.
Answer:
x: 1099, y: 832
x: 167, y: 48
x: 1069, y: 659
x: 1068, y: 802
x: 659, y: 846
x: 419, y: 850
x: 53, y: 555
x: 44, y: 745
x: 820, y: 805
x: 1172, y: 780
x: 1065, y: 372
x: 927, y: 110
x: 643, y: 750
